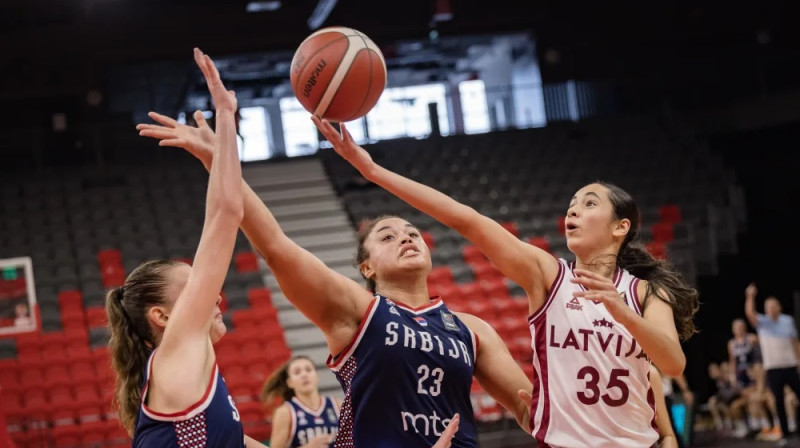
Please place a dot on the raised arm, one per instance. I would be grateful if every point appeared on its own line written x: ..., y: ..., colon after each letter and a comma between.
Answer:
x: 498, y: 373
x: 333, y: 302
x: 185, y: 345
x: 750, y: 304
x: 523, y: 263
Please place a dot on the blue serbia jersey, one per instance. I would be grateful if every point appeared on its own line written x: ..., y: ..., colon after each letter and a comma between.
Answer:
x: 308, y: 423
x: 405, y: 374
x: 211, y: 422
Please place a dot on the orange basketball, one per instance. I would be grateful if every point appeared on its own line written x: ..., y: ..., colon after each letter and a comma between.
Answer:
x: 338, y: 73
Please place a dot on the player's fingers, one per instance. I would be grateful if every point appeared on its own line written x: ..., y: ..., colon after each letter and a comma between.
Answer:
x: 173, y: 142
x: 452, y: 427
x: 157, y: 133
x: 199, y: 118
x: 213, y: 73
x: 200, y: 60
x: 163, y: 119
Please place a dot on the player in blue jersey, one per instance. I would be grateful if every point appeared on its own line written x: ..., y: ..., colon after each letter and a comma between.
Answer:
x: 305, y: 418
x: 165, y: 318
x: 405, y: 362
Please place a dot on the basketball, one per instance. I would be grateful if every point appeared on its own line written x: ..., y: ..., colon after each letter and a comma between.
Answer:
x: 338, y: 74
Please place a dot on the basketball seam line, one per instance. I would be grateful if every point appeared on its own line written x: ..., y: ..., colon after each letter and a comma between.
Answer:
x: 300, y: 70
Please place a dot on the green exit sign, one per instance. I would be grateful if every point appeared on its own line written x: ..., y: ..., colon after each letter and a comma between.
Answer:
x: 9, y: 273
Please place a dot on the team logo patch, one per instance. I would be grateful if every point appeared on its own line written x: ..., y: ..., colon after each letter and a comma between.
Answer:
x: 319, y: 421
x: 449, y: 322
x: 421, y: 320
x: 331, y: 415
x: 301, y: 418
x: 574, y: 304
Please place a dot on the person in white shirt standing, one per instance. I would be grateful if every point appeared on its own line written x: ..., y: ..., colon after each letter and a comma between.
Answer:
x: 780, y: 349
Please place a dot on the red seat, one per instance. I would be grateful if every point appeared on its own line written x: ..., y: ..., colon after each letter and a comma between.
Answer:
x: 495, y: 289
x: 107, y: 256
x: 73, y: 317
x: 669, y: 213
x: 28, y: 343
x: 657, y: 249
x: 83, y: 372
x: 450, y: 293
x: 246, y: 262
x: 259, y: 297
x: 662, y: 232
x: 57, y: 374
x: 440, y: 274
x: 428, y: 238
x: 511, y: 226
x: 96, y: 317
x: 471, y: 292
x: 243, y: 318
x: 486, y: 272
x: 66, y: 436
x: 473, y: 255
x: 8, y: 375
x: 540, y: 242
x: 93, y: 433
x: 70, y: 300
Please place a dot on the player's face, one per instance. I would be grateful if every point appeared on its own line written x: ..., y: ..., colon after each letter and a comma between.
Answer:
x: 395, y: 248
x: 218, y: 328
x: 588, y: 223
x: 302, y: 376
x: 772, y: 307
x: 179, y: 275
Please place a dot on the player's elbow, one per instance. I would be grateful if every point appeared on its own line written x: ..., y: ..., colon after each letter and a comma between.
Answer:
x: 675, y: 367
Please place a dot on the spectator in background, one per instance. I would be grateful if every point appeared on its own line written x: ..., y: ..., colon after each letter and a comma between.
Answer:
x: 726, y: 405
x: 780, y: 350
x: 743, y: 352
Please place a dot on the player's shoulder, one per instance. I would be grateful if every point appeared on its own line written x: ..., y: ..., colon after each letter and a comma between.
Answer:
x: 475, y: 324
x: 284, y: 410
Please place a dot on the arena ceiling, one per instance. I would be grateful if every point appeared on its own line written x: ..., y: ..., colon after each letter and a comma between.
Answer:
x: 64, y: 47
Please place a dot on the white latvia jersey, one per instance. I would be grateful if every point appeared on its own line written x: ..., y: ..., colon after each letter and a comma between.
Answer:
x: 591, y: 384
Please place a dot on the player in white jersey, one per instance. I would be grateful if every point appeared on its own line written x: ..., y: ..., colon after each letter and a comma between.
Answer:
x: 595, y: 322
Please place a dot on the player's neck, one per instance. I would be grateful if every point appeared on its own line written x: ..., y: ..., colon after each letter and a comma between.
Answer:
x: 602, y: 265
x: 413, y: 294
x: 311, y: 400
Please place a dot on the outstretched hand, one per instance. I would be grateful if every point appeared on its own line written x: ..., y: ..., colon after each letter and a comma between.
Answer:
x: 223, y: 98
x: 199, y: 141
x: 344, y: 145
x: 447, y: 436
x: 600, y: 289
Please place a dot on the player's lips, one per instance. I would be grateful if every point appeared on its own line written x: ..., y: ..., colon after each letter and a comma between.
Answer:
x: 409, y: 250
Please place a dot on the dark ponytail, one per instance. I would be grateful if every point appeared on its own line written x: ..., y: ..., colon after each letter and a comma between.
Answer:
x: 663, y: 280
